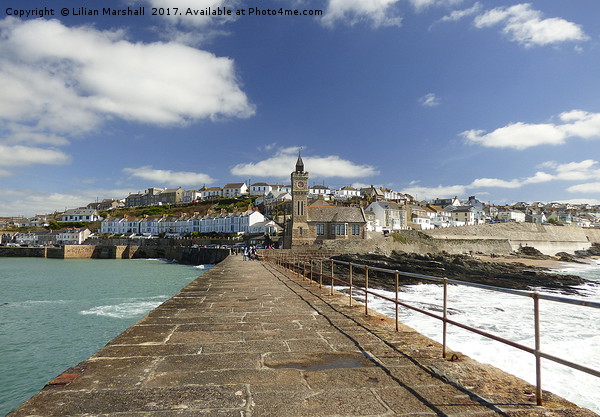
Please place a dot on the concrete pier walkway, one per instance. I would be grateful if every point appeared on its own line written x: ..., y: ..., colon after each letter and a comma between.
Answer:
x: 246, y: 339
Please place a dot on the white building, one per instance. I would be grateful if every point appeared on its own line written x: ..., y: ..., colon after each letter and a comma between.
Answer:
x: 80, y: 215
x: 320, y: 191
x: 388, y: 215
x: 511, y: 215
x: 191, y: 196
x: 346, y: 193
x: 73, y: 236
x: 235, y: 190
x: 260, y: 188
x: 212, y: 192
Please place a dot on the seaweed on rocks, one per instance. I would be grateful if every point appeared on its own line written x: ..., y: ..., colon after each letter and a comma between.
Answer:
x: 458, y: 267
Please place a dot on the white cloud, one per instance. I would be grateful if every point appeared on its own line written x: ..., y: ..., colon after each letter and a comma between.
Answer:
x: 572, y: 171
x: 58, y: 82
x: 32, y: 202
x: 283, y: 162
x: 456, y: 15
x: 590, y: 188
x: 526, y: 26
x: 576, y: 123
x: 11, y: 156
x: 517, y: 136
x: 377, y: 12
x: 161, y: 176
x: 429, y: 100
x: 421, y: 5
x: 495, y: 182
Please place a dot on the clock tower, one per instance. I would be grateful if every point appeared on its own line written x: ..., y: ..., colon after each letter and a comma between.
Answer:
x: 300, y: 232
x: 299, y: 192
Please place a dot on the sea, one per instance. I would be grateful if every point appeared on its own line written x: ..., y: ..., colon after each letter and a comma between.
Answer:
x: 56, y: 313
x: 567, y: 331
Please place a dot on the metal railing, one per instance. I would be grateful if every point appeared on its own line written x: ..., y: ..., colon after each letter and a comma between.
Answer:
x: 307, y: 267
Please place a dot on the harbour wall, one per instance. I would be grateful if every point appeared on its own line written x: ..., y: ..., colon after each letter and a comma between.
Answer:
x: 548, y: 239
x: 184, y: 255
x: 499, y: 239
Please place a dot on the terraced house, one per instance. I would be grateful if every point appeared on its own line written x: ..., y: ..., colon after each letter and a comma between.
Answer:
x: 249, y: 221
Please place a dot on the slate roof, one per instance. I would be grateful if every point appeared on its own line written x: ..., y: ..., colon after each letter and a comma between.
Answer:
x: 335, y: 214
x: 387, y: 205
x: 234, y: 185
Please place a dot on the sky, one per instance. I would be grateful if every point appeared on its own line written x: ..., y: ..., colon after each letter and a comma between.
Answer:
x: 435, y: 98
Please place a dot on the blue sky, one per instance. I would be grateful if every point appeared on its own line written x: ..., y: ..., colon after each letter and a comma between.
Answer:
x: 432, y: 97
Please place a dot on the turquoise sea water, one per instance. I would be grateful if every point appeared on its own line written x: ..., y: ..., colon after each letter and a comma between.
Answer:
x: 55, y: 313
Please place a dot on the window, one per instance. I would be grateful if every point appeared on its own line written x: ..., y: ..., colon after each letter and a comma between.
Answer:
x: 338, y: 229
x: 320, y: 229
x: 355, y: 230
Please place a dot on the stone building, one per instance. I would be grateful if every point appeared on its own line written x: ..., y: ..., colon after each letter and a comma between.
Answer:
x: 312, y: 223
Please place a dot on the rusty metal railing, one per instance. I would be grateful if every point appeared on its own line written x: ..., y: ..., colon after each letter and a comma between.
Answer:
x: 299, y: 264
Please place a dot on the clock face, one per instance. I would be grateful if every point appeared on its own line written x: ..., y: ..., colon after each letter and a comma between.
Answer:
x: 300, y: 184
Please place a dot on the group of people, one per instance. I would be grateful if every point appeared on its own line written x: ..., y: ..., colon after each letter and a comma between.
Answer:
x: 248, y: 252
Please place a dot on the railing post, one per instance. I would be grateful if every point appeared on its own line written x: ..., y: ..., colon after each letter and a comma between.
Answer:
x: 538, y: 359
x: 332, y: 279
x: 303, y: 268
x: 311, y: 271
x: 350, y: 273
x: 321, y: 275
x: 366, y: 290
x: 445, y: 316
x: 397, y: 279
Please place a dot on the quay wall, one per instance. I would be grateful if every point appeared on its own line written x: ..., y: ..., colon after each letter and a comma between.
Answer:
x: 184, y: 255
x: 7, y: 251
x: 548, y: 239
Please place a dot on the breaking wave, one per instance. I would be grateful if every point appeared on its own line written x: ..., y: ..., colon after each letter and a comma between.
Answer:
x: 126, y: 310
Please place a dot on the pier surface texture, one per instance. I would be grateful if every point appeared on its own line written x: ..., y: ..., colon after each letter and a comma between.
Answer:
x: 247, y: 339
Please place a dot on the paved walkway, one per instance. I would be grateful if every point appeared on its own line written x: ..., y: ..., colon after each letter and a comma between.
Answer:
x: 246, y: 339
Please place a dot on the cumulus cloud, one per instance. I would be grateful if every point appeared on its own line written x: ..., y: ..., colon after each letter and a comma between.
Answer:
x: 27, y: 202
x: 429, y: 100
x: 589, y: 188
x: 376, y: 12
x: 58, y: 82
x: 456, y: 15
x: 571, y: 124
x: 527, y: 26
x: 573, y: 171
x: 283, y: 162
x: 11, y: 156
x: 162, y: 176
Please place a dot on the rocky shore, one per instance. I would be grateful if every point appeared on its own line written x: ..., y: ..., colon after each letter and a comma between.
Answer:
x: 515, y: 275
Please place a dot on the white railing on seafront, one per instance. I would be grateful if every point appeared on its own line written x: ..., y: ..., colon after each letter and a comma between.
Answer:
x: 309, y: 267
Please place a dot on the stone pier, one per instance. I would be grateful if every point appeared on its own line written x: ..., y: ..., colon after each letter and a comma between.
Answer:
x: 247, y: 339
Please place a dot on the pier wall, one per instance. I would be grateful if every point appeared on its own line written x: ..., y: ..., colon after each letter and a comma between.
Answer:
x: 7, y: 251
x: 548, y: 239
x: 184, y: 255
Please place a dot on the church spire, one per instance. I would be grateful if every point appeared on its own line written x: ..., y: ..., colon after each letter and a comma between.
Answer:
x: 299, y: 163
